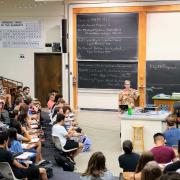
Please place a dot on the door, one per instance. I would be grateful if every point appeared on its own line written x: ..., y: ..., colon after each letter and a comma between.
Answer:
x: 48, y: 75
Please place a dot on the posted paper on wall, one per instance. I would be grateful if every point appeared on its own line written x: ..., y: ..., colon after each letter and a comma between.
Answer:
x: 21, y: 34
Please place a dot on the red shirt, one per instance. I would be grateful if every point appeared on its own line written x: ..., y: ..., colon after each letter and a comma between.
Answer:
x: 50, y: 104
x: 163, y: 154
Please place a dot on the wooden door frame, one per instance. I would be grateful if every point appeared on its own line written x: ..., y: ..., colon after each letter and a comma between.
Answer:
x: 142, y: 11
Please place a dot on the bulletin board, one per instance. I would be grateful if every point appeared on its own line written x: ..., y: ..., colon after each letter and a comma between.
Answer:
x: 21, y: 34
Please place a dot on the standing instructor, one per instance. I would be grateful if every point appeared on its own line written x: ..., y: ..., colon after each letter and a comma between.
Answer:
x: 128, y: 95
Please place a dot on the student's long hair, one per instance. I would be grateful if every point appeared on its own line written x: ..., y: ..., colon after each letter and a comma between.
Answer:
x: 96, y: 165
x: 143, y: 160
x: 12, y: 134
x: 23, y: 113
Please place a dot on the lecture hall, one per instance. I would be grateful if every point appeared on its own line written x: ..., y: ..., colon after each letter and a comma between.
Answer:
x: 90, y: 89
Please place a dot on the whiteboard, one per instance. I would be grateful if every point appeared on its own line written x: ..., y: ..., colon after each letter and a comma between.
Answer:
x: 21, y: 34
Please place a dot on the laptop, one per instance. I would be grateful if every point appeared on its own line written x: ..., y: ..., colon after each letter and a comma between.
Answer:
x: 123, y: 107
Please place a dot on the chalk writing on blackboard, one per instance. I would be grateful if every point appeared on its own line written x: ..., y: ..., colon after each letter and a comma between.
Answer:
x: 110, y: 36
x: 106, y: 75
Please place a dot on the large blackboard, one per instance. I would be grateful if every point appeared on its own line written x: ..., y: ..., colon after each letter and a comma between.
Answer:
x: 162, y: 77
x: 106, y: 75
x: 110, y: 36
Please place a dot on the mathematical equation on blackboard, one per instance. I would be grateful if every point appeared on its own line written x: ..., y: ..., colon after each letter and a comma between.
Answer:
x: 110, y: 36
x: 106, y: 75
x: 21, y: 34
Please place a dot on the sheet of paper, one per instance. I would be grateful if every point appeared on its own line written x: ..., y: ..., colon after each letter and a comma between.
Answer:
x: 25, y: 155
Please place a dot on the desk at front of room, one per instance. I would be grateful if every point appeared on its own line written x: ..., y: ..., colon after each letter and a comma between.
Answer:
x: 166, y: 100
x: 152, y: 122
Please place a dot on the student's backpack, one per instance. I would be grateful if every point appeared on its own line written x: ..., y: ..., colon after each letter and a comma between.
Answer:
x: 48, y: 165
x: 63, y: 161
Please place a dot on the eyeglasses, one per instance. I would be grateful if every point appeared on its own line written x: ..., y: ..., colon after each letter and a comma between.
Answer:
x: 127, y: 84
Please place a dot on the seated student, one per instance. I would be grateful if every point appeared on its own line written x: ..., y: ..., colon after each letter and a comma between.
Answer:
x: 27, y: 114
x: 96, y: 168
x: 128, y: 161
x: 57, y: 100
x: 57, y: 110
x: 151, y: 171
x: 23, y: 116
x: 174, y: 166
x: 4, y: 114
x: 67, y: 113
x: 18, y: 101
x: 18, y: 93
x: 51, y: 102
x: 34, y: 112
x: 162, y: 154
x: 172, y: 134
x: 24, y: 136
x: 13, y: 144
x: 170, y: 176
x: 70, y: 121
x: 5, y: 95
x: 20, y: 171
x: 64, y: 136
x: 19, y: 90
x: 25, y: 93
x: 143, y: 160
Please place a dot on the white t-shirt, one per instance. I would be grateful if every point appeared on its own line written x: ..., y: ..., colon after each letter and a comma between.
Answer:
x: 60, y: 131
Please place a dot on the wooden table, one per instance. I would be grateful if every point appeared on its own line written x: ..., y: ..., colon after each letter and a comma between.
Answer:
x: 169, y: 101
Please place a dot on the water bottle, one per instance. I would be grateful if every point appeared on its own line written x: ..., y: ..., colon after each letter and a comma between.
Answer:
x: 129, y: 111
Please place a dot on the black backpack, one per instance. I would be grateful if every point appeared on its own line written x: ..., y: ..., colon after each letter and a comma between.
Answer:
x: 48, y: 165
x: 63, y: 161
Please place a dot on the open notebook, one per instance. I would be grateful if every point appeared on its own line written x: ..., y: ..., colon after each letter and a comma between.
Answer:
x: 25, y: 155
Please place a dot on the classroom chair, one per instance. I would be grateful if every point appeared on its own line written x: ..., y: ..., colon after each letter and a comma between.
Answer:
x: 6, y: 171
x: 57, y: 144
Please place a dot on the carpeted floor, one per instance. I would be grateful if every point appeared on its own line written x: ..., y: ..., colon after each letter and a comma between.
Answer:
x: 48, y: 153
x: 96, y: 130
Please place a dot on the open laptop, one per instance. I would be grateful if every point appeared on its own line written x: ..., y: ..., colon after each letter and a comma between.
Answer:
x: 123, y: 107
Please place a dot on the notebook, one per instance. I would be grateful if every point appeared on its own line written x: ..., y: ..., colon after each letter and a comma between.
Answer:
x: 25, y: 155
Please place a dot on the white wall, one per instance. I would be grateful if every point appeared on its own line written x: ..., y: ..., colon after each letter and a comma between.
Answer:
x: 163, y: 42
x: 11, y: 66
x: 101, y: 99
